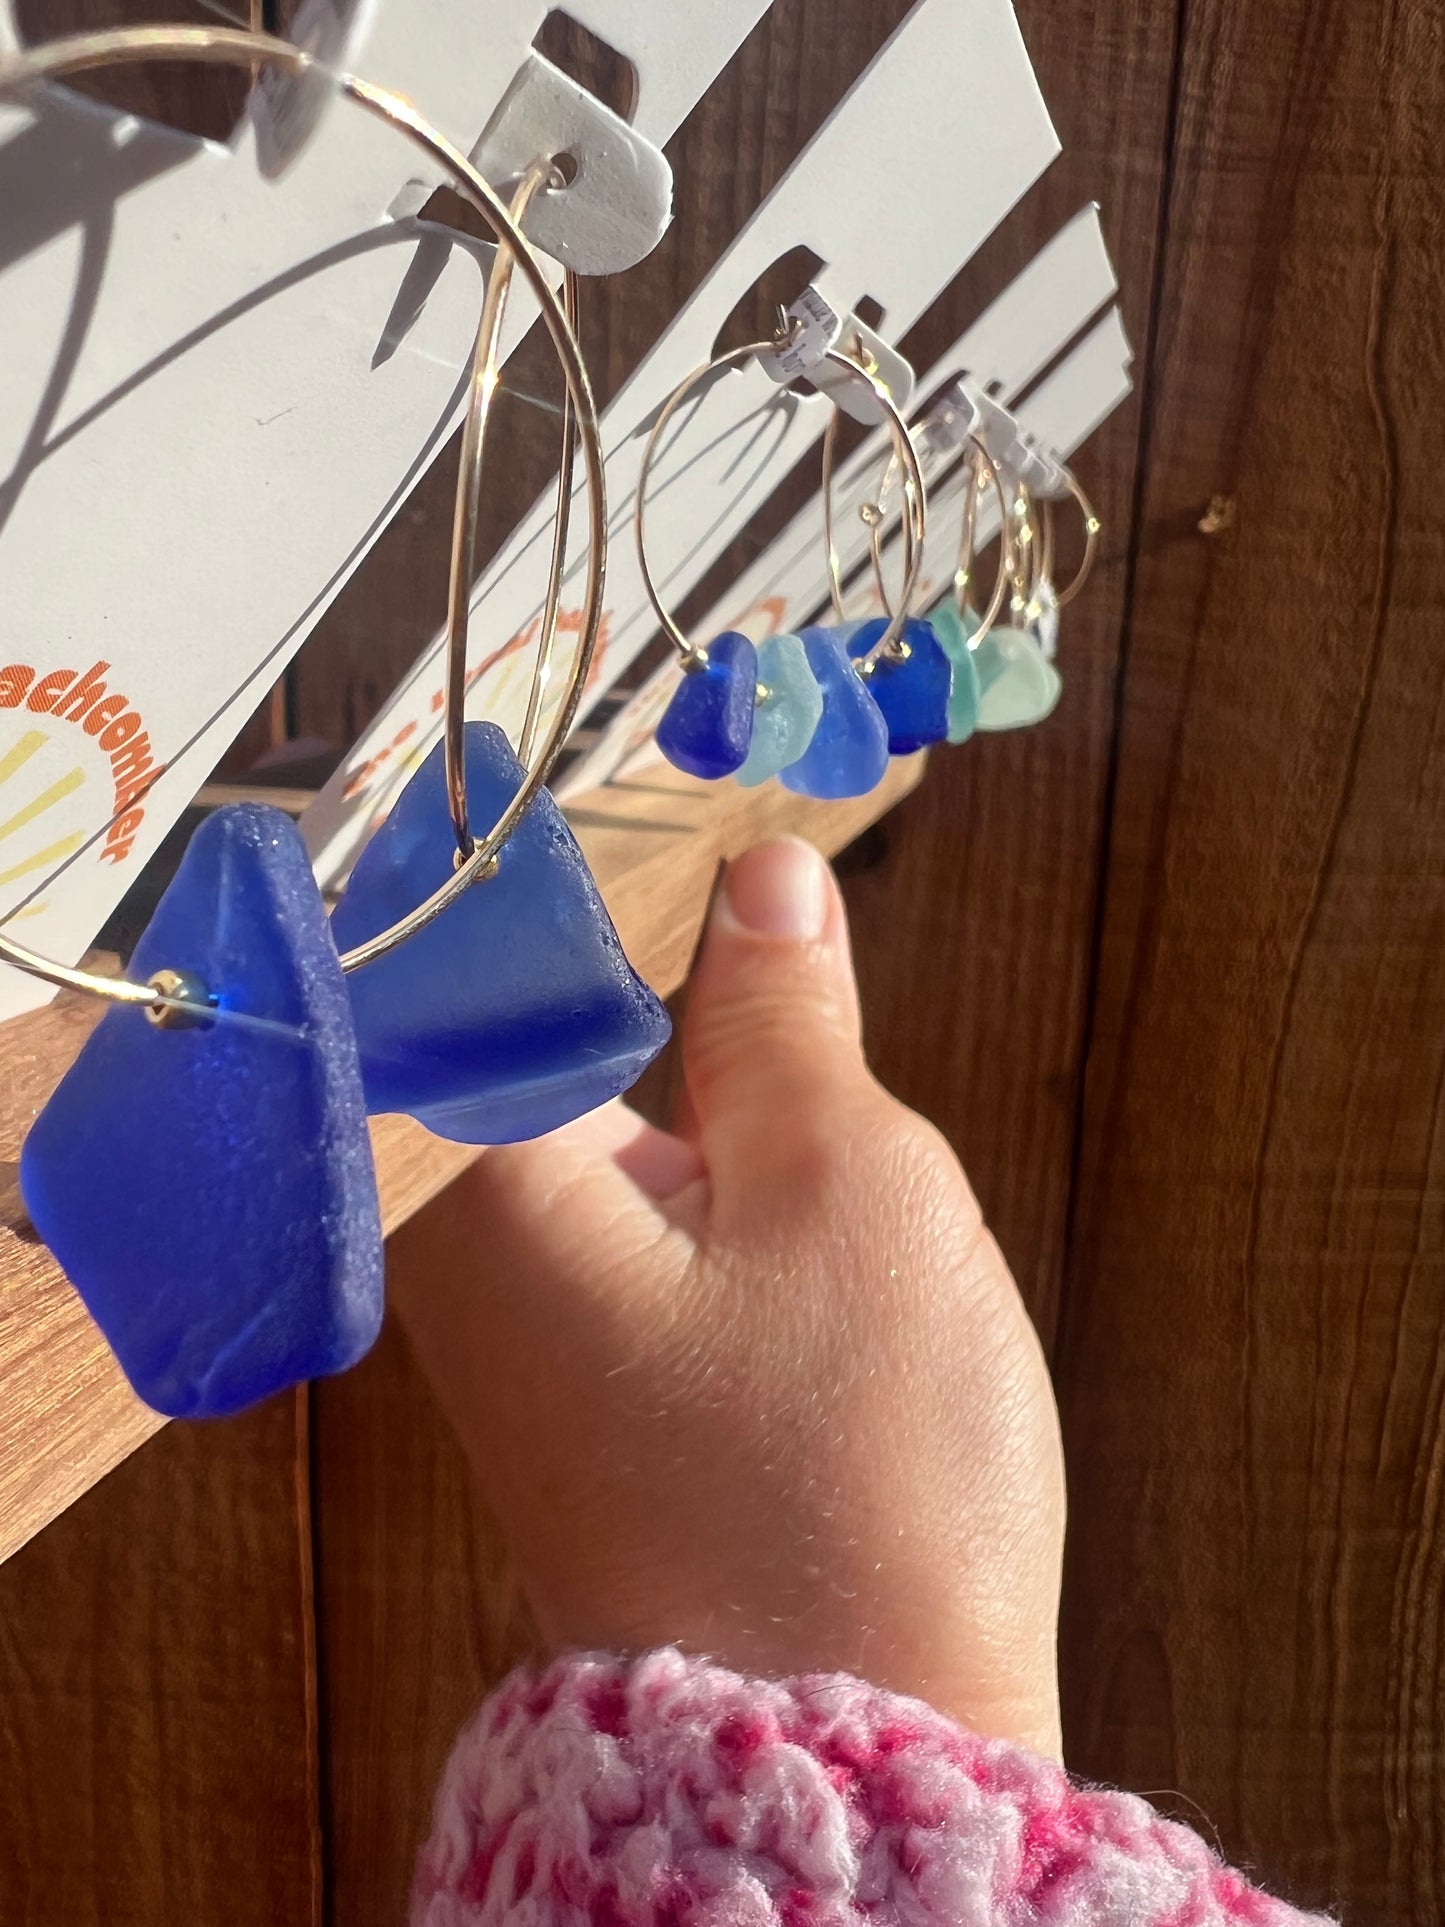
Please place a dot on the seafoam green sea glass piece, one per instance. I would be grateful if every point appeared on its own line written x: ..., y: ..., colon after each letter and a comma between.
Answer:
x: 955, y: 631
x: 784, y: 721
x: 1018, y: 685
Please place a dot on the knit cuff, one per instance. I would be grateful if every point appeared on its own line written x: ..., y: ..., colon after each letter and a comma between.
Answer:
x: 665, y: 1792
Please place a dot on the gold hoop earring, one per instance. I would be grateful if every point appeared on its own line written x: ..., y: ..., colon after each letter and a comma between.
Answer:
x: 277, y: 1034
x: 709, y: 725
x: 228, y: 46
x: 1093, y: 528
x: 961, y: 630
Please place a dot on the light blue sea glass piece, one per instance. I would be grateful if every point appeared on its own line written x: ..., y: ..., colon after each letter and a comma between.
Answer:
x: 516, y: 1010
x: 913, y: 692
x: 848, y: 754
x: 955, y: 631
x: 707, y: 728
x: 786, y: 717
x: 1017, y: 684
x: 209, y: 1190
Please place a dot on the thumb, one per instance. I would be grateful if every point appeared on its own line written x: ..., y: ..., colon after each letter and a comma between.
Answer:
x: 770, y: 1039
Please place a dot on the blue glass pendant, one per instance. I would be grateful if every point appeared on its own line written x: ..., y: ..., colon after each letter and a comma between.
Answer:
x: 209, y: 1190
x: 955, y: 632
x: 913, y: 693
x: 1018, y: 685
x: 707, y: 728
x: 516, y: 1010
x: 848, y: 753
x: 787, y: 714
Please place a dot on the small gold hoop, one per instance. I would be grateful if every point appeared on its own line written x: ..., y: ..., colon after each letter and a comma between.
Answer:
x: 1025, y: 544
x: 1092, y: 529
x: 233, y: 47
x: 693, y: 655
x: 982, y: 472
x: 467, y: 507
x: 904, y: 457
x: 873, y: 515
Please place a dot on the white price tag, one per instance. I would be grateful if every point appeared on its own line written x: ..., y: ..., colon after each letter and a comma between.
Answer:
x: 951, y: 421
x: 815, y: 330
x: 995, y: 426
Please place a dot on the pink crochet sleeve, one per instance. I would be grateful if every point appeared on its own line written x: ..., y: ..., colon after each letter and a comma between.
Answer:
x: 665, y: 1792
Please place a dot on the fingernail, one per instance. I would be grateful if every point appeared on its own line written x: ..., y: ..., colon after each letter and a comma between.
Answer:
x: 780, y: 889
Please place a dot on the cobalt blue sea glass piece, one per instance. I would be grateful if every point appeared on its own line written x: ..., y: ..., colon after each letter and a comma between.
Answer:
x: 516, y: 1010
x: 707, y: 728
x: 913, y: 693
x: 848, y: 755
x: 787, y: 714
x: 209, y: 1190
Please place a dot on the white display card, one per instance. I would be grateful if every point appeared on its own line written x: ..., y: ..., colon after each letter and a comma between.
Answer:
x: 852, y: 197
x: 218, y: 390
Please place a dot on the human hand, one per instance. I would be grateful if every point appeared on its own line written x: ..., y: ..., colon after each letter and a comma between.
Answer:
x: 762, y: 1387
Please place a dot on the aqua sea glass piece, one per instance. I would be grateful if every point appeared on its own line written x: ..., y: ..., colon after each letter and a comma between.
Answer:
x: 848, y: 753
x: 1017, y: 684
x: 707, y: 728
x: 515, y: 1011
x: 912, y: 693
x: 955, y: 631
x: 209, y: 1190
x: 787, y: 715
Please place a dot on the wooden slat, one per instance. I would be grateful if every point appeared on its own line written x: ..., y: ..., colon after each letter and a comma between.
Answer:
x: 1253, y: 1360
x: 973, y: 938
x: 418, y: 1614
x: 66, y: 1414
x: 157, y: 1692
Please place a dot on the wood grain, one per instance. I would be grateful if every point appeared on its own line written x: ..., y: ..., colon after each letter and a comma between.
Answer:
x: 1253, y: 1350
x: 158, y: 1711
x: 66, y: 1414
